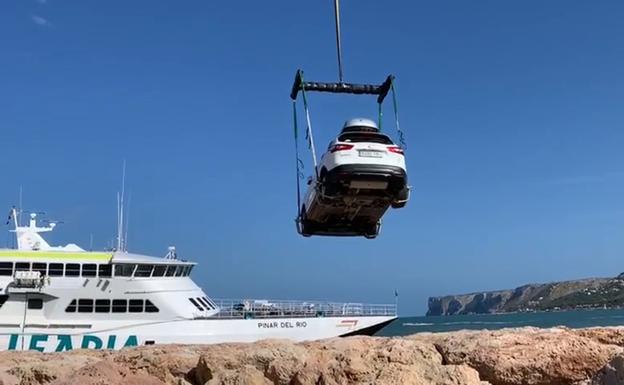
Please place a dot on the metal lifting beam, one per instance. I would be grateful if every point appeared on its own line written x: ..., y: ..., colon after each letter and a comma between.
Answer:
x: 342, y: 88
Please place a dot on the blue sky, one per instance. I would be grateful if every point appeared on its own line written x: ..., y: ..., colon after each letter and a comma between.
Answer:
x: 512, y: 111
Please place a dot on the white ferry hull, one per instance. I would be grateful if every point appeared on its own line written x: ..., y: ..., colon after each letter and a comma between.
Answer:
x: 115, y: 335
x: 55, y: 299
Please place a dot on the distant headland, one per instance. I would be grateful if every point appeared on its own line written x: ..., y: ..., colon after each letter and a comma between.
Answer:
x: 566, y: 295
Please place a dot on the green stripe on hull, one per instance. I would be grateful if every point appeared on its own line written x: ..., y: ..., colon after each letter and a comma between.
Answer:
x: 56, y: 255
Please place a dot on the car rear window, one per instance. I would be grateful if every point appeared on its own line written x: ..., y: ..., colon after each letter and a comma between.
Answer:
x: 359, y: 137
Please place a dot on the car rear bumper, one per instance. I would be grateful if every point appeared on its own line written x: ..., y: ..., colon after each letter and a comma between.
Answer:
x: 308, y: 228
x: 395, y: 176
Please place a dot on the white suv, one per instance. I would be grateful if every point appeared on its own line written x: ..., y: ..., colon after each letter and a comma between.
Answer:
x: 360, y: 176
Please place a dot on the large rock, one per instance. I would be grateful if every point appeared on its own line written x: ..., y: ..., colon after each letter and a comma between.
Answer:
x: 526, y: 356
x: 611, y: 374
x: 359, y: 360
x: 604, y: 335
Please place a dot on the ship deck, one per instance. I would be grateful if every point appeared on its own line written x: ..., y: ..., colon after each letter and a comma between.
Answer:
x: 251, y: 309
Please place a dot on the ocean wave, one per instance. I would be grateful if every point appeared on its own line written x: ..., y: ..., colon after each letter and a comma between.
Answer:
x: 608, y: 317
x: 478, y: 323
x: 459, y: 323
x: 418, y: 324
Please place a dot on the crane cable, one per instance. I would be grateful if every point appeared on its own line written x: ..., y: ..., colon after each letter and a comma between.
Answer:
x: 338, y: 43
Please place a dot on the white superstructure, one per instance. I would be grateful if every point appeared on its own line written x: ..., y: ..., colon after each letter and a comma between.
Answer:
x: 64, y: 298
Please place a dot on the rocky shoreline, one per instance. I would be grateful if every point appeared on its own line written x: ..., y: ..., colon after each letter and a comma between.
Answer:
x: 523, y: 356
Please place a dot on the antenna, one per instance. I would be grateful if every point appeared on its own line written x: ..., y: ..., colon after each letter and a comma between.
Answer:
x: 127, y: 222
x: 120, y: 210
x: 118, y: 226
x: 19, y: 212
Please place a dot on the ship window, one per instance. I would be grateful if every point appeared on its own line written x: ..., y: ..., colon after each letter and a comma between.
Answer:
x: 143, y: 270
x: 196, y: 304
x: 120, y: 306
x: 190, y: 267
x: 35, y: 303
x: 6, y: 268
x: 170, y: 270
x: 72, y: 270
x: 55, y: 270
x: 72, y: 307
x: 85, y: 305
x: 136, y: 306
x: 89, y: 270
x: 150, y: 307
x: 205, y: 303
x: 40, y: 267
x: 159, y: 270
x: 22, y: 266
x: 106, y: 271
x: 178, y: 271
x: 102, y: 305
x: 124, y: 270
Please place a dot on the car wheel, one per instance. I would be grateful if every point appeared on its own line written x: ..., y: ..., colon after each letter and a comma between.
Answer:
x: 371, y: 231
x: 329, y: 188
x: 401, y: 198
x: 304, y: 226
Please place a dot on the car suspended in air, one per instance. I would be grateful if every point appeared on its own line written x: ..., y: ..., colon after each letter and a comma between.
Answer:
x: 361, y: 174
x: 359, y: 177
x: 363, y: 171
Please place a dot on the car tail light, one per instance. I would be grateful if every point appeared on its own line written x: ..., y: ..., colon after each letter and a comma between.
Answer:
x: 341, y: 147
x: 396, y: 150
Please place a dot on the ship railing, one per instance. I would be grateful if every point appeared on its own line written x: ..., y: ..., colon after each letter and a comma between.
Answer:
x: 253, y: 308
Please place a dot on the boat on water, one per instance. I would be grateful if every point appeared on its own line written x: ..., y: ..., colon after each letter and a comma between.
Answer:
x: 59, y: 298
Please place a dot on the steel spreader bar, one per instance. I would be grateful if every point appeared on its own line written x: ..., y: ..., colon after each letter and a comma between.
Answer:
x: 341, y: 88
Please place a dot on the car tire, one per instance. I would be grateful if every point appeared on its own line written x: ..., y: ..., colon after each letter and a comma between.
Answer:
x: 401, y: 198
x: 371, y: 231
x: 329, y: 188
x: 304, y: 226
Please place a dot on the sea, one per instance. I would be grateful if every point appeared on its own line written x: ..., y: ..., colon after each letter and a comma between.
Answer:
x: 572, y: 319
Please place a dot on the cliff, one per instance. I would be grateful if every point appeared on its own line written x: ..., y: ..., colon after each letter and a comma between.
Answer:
x: 583, y: 293
x: 526, y: 356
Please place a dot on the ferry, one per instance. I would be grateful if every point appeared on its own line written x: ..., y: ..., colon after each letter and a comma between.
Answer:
x: 60, y: 298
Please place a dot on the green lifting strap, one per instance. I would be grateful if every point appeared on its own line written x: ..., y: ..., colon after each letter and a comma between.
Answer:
x: 297, y: 160
x: 396, y: 116
x: 309, y: 135
x: 400, y: 134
